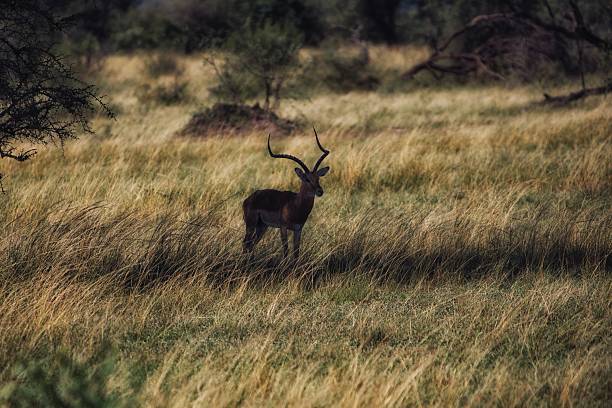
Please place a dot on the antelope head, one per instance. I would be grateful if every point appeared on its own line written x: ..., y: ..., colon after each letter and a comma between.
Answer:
x: 309, y: 178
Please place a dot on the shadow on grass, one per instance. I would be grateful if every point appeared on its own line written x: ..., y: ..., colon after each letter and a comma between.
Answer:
x: 143, y: 253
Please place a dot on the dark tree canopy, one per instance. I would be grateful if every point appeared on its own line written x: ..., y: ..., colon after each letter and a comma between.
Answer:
x: 379, y: 17
x: 41, y: 98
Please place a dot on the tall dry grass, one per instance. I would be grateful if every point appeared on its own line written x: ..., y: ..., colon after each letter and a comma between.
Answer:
x: 460, y: 256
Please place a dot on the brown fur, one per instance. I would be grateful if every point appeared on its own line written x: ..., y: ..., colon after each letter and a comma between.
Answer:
x: 286, y: 210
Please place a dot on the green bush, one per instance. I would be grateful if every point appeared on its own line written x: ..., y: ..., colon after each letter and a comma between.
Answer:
x: 261, y: 59
x: 172, y: 93
x: 343, y: 73
x: 136, y: 29
x: 60, y: 381
x: 163, y: 64
x: 87, y: 52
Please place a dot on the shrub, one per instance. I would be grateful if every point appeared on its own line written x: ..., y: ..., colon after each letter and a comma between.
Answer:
x: 142, y: 28
x: 168, y: 91
x: 163, y: 64
x: 86, y: 48
x: 60, y: 381
x: 172, y: 93
x: 346, y: 72
x: 262, y: 59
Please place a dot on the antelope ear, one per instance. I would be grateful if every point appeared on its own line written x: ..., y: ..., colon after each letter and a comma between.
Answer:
x: 322, y: 172
x: 301, y: 174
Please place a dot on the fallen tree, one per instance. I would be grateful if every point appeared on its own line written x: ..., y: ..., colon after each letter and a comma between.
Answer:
x: 574, y: 96
x: 515, y: 41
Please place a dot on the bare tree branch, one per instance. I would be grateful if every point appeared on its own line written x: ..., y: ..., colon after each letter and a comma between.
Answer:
x: 41, y: 98
x: 503, y: 34
x: 466, y: 62
x: 21, y: 156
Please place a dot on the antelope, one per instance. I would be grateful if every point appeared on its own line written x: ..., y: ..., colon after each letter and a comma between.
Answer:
x: 285, y: 210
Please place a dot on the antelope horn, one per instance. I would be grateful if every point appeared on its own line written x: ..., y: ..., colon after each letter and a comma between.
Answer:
x: 287, y: 156
x: 325, y: 151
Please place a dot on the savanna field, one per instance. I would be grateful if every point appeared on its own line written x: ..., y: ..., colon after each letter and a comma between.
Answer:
x: 460, y: 256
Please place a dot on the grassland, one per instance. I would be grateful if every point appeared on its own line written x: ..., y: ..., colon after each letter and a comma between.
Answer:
x: 459, y: 257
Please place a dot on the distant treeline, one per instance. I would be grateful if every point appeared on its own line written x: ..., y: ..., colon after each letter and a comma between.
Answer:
x: 192, y: 25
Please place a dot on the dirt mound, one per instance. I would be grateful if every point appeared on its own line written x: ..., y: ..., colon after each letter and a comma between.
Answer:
x: 230, y: 118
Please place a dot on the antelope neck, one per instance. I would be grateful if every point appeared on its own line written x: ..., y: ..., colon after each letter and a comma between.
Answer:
x: 305, y: 199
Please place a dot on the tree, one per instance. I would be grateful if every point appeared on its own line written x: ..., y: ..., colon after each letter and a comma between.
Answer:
x: 262, y: 57
x: 499, y: 41
x: 379, y: 19
x: 41, y: 98
x: 304, y: 16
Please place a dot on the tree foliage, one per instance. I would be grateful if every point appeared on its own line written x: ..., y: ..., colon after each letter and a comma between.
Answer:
x: 41, y: 98
x: 260, y: 59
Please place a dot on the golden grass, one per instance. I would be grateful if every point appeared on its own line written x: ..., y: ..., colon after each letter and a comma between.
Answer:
x: 460, y: 254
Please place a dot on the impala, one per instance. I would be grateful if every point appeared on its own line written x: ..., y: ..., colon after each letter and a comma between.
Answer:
x: 285, y: 210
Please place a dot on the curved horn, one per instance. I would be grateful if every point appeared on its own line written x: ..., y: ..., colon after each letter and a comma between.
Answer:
x: 286, y: 156
x: 325, y: 151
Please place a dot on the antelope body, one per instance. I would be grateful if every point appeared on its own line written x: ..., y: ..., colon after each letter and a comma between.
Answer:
x: 285, y: 210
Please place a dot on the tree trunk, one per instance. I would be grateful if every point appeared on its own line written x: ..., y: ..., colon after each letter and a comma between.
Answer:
x: 277, y: 89
x: 574, y: 96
